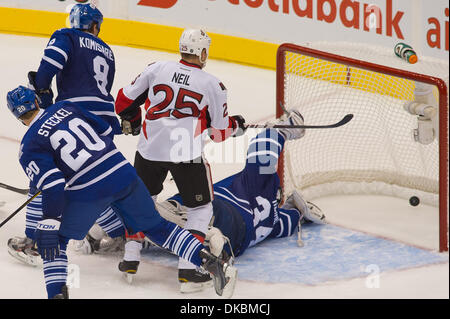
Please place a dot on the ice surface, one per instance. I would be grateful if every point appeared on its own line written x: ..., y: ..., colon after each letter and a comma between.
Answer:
x: 366, y: 233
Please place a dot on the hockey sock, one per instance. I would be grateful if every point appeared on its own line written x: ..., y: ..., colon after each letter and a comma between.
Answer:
x: 178, y: 240
x: 111, y: 223
x: 55, y: 272
x: 33, y: 215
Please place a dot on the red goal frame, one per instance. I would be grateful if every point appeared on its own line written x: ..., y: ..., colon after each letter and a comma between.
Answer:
x: 443, y: 115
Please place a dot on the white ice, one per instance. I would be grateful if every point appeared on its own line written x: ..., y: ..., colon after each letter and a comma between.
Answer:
x: 252, y: 94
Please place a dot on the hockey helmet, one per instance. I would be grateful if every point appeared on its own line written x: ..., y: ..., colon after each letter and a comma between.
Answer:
x: 82, y: 16
x: 21, y: 100
x: 193, y: 41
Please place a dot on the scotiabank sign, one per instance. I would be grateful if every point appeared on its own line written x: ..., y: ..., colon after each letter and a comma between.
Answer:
x: 423, y: 23
x: 165, y: 4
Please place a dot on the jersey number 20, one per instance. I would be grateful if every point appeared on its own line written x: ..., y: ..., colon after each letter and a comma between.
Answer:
x: 93, y: 143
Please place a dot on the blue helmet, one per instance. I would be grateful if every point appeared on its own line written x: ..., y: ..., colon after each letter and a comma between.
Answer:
x: 21, y: 100
x: 82, y: 16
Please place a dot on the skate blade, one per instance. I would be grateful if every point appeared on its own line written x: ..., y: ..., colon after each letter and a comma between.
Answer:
x: 23, y: 258
x: 228, y: 290
x: 190, y: 287
x: 129, y: 277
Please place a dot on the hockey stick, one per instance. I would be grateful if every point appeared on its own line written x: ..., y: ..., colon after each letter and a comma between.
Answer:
x: 18, y: 209
x: 14, y: 189
x: 344, y: 121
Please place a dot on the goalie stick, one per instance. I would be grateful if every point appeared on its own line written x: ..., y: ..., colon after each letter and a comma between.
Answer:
x: 344, y: 121
x: 14, y: 189
x: 18, y: 209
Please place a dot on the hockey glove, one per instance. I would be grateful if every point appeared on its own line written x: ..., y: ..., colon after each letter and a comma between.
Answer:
x: 47, y: 238
x: 241, y: 127
x: 132, y: 124
x: 45, y: 95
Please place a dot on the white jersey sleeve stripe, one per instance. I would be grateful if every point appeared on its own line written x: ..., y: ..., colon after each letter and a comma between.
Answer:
x: 88, y: 99
x: 49, y: 185
x: 103, y: 113
x: 262, y: 153
x: 42, y: 179
x: 257, y: 140
x: 52, y: 62
x: 107, y: 131
x: 288, y: 225
x: 226, y: 197
x: 60, y: 51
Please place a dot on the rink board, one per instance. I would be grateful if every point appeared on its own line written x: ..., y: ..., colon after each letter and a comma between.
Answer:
x: 330, y: 253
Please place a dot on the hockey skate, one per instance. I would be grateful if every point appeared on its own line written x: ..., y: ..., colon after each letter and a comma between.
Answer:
x: 24, y: 249
x: 90, y: 245
x: 129, y: 269
x: 64, y: 293
x: 224, y: 274
x: 194, y: 280
x: 293, y: 118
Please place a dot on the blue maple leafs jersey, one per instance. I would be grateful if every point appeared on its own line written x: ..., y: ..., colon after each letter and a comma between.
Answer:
x: 253, y: 193
x: 84, y: 66
x: 68, y: 152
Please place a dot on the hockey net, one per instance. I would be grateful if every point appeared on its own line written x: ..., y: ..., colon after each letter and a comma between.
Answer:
x: 376, y: 152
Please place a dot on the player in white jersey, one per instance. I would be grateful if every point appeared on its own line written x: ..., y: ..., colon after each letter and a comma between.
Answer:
x: 183, y: 104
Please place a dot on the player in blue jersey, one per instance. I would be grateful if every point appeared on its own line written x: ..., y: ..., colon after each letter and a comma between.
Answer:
x: 69, y: 155
x: 84, y: 67
x: 246, y: 205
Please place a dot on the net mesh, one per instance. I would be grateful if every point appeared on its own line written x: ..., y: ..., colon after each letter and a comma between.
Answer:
x: 375, y: 152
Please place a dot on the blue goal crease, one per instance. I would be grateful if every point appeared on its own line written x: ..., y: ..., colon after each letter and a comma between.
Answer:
x: 330, y: 253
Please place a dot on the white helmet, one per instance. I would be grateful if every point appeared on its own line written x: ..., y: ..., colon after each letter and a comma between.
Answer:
x: 193, y: 41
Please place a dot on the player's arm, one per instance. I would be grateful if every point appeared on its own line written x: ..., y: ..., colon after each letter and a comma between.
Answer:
x: 287, y: 223
x: 53, y: 61
x: 45, y: 176
x: 221, y: 126
x: 129, y: 101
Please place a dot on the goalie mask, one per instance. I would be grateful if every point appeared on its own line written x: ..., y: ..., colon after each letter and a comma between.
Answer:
x: 193, y: 41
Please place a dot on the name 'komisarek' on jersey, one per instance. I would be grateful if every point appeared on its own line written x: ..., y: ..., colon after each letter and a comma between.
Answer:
x: 63, y: 155
x: 84, y: 66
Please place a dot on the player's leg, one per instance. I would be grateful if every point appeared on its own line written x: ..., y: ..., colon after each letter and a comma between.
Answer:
x: 139, y: 214
x: 76, y: 220
x: 194, y: 182
x: 107, y: 235
x: 152, y: 173
x: 55, y: 273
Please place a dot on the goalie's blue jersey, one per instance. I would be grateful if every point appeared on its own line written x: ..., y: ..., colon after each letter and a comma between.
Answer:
x: 84, y: 66
x: 68, y: 154
x: 252, y: 196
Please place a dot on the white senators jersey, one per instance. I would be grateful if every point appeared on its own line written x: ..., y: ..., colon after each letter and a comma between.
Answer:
x: 182, y: 101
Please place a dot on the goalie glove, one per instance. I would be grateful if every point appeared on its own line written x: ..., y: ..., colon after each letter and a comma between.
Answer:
x: 309, y: 211
x: 47, y: 238
x: 45, y: 95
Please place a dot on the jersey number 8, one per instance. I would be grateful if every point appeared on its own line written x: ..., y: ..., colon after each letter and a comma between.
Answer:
x: 101, y: 69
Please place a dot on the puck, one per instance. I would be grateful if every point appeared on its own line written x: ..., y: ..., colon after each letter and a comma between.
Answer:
x: 414, y: 201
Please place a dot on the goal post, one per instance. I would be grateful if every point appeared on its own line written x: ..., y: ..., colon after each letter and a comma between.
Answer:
x: 397, y: 142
